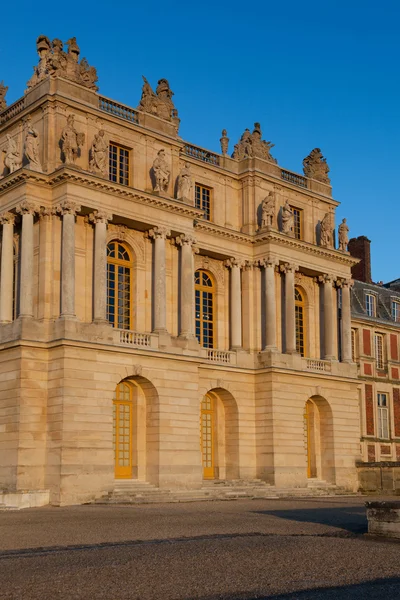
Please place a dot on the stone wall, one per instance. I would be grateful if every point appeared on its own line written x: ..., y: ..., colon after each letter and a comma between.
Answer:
x: 379, y: 477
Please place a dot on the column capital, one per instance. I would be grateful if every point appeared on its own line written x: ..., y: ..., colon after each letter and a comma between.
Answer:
x: 187, y: 240
x: 159, y: 232
x: 7, y: 218
x: 68, y: 207
x: 326, y: 278
x: 345, y: 283
x: 45, y: 212
x: 288, y: 268
x: 100, y: 216
x: 27, y: 208
x: 234, y: 262
x: 249, y: 265
x: 267, y: 262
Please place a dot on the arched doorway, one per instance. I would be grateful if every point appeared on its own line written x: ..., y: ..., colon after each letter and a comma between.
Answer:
x: 319, y: 440
x: 219, y: 435
x: 136, y: 430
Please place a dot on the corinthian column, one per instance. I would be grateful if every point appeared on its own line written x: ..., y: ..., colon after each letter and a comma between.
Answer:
x: 346, y: 321
x: 68, y: 210
x: 329, y: 321
x: 236, y: 302
x: 27, y: 210
x: 100, y: 219
x: 290, y: 315
x: 159, y: 234
x: 187, y: 302
x: 270, y: 303
x: 7, y: 268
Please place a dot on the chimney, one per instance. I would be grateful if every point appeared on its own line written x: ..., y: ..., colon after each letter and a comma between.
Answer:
x: 360, y: 248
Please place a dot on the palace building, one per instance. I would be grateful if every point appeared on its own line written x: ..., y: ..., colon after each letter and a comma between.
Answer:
x: 172, y: 315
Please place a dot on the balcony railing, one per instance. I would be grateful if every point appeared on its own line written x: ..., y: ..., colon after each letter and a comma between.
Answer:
x: 132, y: 338
x: 219, y: 356
x: 201, y: 154
x: 318, y: 366
x: 12, y: 110
x: 294, y: 178
x: 118, y: 110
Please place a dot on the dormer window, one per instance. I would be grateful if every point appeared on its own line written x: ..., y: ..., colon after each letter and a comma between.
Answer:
x: 396, y: 310
x: 370, y: 305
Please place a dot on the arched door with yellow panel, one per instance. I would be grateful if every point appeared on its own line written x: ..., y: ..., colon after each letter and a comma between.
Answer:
x: 119, y: 285
x: 207, y: 433
x: 123, y: 431
x: 300, y: 322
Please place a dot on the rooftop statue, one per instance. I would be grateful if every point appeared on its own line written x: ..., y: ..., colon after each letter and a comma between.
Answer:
x: 159, y: 103
x: 343, y: 235
x: 54, y: 61
x: 315, y: 166
x: 251, y: 145
x: 3, y: 92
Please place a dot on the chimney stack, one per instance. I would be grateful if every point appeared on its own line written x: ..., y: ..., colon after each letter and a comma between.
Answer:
x: 360, y: 247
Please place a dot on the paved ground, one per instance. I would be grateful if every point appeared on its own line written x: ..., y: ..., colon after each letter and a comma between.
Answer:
x: 281, y: 549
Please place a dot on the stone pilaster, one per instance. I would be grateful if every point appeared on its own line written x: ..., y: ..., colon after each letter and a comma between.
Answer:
x: 346, y: 285
x: 27, y: 210
x: 235, y: 266
x: 68, y: 209
x: 100, y: 219
x: 7, y: 268
x: 159, y: 234
x: 269, y: 265
x: 290, y: 314
x: 329, y: 321
x: 187, y: 301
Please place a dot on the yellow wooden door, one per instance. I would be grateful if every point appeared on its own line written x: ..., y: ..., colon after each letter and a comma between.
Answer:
x: 207, y: 436
x: 122, y: 431
x: 307, y: 419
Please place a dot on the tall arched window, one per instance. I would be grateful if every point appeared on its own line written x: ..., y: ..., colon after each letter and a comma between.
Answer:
x: 119, y: 285
x: 300, y: 322
x: 204, y: 294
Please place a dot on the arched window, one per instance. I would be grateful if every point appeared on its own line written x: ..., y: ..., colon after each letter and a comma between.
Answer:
x: 300, y: 322
x: 119, y: 285
x: 204, y: 294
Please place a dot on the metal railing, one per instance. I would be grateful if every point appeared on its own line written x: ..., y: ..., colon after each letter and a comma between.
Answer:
x: 220, y: 356
x: 132, y: 338
x: 294, y: 178
x: 319, y: 366
x: 201, y: 154
x: 12, y: 110
x: 118, y: 110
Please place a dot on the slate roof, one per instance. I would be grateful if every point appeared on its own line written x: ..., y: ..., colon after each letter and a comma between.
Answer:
x: 384, y: 293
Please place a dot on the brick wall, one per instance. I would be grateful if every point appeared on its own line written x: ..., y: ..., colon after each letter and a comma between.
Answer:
x: 360, y: 248
x: 396, y: 411
x: 367, y: 342
x: 393, y: 347
x: 369, y: 410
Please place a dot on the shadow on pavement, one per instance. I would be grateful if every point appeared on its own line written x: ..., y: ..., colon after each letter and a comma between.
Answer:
x: 377, y: 589
x: 349, y: 518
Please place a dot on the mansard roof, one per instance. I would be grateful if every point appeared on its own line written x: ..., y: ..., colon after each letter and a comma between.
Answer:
x: 384, y: 297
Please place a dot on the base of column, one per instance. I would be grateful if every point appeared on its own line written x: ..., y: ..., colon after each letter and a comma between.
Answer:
x: 330, y: 357
x: 101, y: 322
x: 271, y: 349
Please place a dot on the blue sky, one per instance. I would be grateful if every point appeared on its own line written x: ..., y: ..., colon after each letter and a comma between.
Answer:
x: 312, y: 73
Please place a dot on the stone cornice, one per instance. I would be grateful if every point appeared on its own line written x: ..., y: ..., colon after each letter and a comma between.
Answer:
x: 229, y: 234
x: 67, y: 174
x: 284, y: 240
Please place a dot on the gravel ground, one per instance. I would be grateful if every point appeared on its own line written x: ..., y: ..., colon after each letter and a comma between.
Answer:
x: 287, y: 549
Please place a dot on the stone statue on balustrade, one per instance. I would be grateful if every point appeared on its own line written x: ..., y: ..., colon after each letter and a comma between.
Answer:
x: 268, y: 211
x: 32, y: 146
x: 98, y: 161
x: 287, y: 219
x: 326, y: 232
x: 12, y: 158
x: 55, y: 62
x: 185, y: 184
x: 224, y: 141
x: 3, y: 92
x: 161, y: 171
x: 252, y: 145
x: 343, y: 234
x: 159, y: 103
x: 316, y: 167
x: 71, y: 141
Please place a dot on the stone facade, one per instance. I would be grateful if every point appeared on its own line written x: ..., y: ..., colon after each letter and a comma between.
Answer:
x: 266, y: 373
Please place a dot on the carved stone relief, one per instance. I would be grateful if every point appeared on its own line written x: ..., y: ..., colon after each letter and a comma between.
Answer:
x: 251, y: 145
x: 3, y: 92
x: 12, y: 155
x: 184, y: 183
x: 316, y: 167
x: 161, y: 172
x: 71, y: 141
x: 32, y: 144
x: 159, y: 103
x: 98, y: 156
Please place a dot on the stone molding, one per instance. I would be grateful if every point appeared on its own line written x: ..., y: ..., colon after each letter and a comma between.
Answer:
x: 7, y: 218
